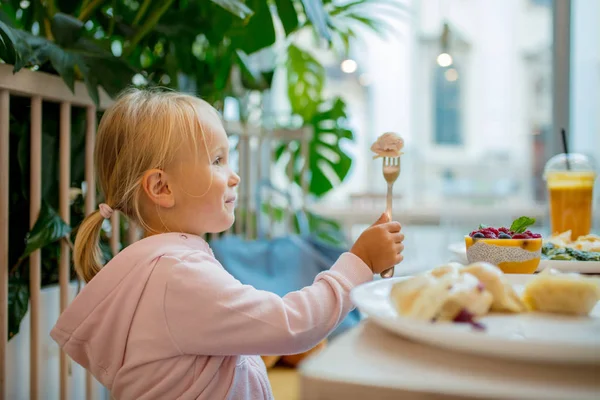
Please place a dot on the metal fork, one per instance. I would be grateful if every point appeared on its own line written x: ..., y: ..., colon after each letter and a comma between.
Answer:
x: 391, y: 171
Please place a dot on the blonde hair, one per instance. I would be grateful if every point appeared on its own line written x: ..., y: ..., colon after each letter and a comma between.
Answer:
x: 142, y: 130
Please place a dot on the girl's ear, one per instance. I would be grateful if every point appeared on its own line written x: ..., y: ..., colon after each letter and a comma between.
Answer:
x: 156, y: 186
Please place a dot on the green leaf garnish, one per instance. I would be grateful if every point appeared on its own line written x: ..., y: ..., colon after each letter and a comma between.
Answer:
x: 521, y: 224
x: 483, y: 226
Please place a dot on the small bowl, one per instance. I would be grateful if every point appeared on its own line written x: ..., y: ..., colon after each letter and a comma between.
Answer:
x: 512, y: 256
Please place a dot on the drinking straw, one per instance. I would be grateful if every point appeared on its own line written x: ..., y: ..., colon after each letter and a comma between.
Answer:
x: 565, y: 147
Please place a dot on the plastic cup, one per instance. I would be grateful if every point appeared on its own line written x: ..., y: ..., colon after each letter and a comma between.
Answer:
x: 570, y: 182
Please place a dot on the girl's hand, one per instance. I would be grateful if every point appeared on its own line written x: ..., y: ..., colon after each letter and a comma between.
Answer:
x: 380, y: 246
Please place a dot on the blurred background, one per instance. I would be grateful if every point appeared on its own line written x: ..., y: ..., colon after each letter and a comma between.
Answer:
x: 479, y: 90
x: 471, y: 85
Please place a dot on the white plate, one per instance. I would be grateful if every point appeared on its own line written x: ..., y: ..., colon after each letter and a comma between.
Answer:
x: 459, y: 252
x: 530, y: 336
x: 584, y: 267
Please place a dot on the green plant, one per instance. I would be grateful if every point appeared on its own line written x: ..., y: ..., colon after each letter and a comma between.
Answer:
x: 49, y: 229
x: 190, y: 45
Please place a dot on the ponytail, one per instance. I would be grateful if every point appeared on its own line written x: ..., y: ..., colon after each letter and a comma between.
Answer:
x: 87, y: 254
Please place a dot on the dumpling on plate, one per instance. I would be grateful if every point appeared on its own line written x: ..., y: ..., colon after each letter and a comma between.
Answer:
x: 564, y: 293
x: 560, y: 240
x: 451, y: 267
x: 427, y: 298
x: 409, y: 298
x: 465, y: 294
x: 505, y: 297
x: 589, y: 242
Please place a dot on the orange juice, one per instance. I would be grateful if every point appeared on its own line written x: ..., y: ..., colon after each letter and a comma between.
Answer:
x: 571, y: 200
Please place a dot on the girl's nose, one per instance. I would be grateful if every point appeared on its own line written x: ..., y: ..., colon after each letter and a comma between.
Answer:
x: 234, y: 179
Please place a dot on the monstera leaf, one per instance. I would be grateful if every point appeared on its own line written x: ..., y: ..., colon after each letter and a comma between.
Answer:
x: 328, y: 163
x: 48, y: 228
x: 345, y: 19
x: 8, y: 43
x: 317, y: 16
x: 236, y: 7
x: 66, y: 29
x: 288, y: 15
x: 305, y: 82
x: 18, y: 300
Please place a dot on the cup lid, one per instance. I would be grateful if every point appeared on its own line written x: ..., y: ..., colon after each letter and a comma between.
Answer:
x: 569, y: 162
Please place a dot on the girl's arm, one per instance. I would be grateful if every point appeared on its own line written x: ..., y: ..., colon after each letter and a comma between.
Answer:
x: 209, y: 312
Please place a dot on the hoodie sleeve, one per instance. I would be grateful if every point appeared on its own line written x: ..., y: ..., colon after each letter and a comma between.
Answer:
x: 209, y: 312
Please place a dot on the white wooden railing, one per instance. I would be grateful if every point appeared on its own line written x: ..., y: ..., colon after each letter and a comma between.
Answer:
x: 40, y: 88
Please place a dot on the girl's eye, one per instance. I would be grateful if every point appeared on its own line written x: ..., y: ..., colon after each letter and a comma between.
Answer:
x: 218, y: 161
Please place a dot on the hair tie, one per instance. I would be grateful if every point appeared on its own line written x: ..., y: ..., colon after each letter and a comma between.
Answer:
x: 105, y: 210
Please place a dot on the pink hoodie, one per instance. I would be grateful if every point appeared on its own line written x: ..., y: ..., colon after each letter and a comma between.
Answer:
x: 164, y: 320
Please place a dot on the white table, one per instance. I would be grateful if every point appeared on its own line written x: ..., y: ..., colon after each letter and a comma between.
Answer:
x: 370, y: 363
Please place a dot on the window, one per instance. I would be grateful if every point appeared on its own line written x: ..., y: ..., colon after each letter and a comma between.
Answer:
x: 542, y: 3
x: 447, y: 106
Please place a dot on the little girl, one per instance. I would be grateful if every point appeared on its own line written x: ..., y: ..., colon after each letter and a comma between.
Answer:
x: 163, y: 319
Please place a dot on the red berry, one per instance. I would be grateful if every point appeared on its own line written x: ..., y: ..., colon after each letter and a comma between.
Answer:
x: 505, y: 230
x: 536, y: 235
x: 520, y: 236
x: 490, y: 235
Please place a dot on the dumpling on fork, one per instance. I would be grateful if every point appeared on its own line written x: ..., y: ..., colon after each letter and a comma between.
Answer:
x: 388, y: 145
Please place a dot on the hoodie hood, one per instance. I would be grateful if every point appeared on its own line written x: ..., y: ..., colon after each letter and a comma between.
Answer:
x: 94, y: 329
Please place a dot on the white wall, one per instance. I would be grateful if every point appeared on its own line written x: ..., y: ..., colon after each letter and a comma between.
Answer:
x: 495, y: 83
x: 585, y: 81
x: 585, y: 77
x: 497, y: 92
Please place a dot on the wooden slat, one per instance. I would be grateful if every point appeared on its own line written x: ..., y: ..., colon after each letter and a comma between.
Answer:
x: 259, y: 176
x: 132, y: 232
x: 115, y: 239
x: 241, y: 200
x: 90, y: 197
x: 65, y: 214
x: 49, y: 87
x: 35, y: 199
x: 259, y: 152
x: 115, y: 236
x: 247, y: 189
x: 305, y: 150
x: 4, y: 177
x: 290, y: 174
x: 90, y: 178
x: 269, y: 199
